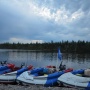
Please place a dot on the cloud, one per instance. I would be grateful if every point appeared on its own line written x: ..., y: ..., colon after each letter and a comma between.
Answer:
x: 24, y: 20
x: 21, y: 40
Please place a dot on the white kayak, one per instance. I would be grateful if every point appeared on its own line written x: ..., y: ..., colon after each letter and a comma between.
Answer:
x: 72, y: 79
x: 11, y: 77
x: 32, y: 77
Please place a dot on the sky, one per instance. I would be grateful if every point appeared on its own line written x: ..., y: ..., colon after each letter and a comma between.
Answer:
x: 31, y: 21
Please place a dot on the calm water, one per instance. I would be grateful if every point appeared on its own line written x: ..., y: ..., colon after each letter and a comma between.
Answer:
x: 42, y: 59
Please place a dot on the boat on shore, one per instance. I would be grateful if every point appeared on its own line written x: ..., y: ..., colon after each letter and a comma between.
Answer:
x: 11, y: 76
x: 40, y: 76
x: 77, y: 78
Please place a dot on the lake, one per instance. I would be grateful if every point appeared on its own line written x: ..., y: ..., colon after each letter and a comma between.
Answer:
x: 42, y: 59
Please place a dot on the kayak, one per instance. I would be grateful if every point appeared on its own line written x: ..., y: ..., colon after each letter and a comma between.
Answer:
x: 11, y: 76
x: 76, y: 78
x: 36, y: 76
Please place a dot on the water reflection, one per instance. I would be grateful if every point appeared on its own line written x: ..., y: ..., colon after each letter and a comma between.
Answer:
x: 42, y: 59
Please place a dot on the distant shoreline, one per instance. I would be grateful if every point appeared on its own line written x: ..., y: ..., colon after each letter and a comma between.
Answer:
x: 65, y: 46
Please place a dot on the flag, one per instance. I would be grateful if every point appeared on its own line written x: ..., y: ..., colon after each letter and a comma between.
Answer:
x: 59, y: 54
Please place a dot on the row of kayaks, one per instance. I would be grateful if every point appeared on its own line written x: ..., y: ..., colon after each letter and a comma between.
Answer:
x: 41, y: 76
x: 29, y: 75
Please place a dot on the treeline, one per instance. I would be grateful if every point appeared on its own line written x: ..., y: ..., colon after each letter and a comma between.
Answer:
x: 65, y: 46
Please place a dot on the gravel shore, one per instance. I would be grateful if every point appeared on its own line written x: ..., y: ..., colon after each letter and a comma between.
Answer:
x: 31, y: 87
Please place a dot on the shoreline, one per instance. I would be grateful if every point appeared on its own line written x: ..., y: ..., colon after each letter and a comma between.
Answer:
x: 31, y: 87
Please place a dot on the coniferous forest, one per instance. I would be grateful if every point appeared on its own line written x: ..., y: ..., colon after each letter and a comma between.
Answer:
x: 65, y: 46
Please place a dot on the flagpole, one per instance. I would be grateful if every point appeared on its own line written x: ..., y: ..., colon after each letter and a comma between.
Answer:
x: 59, y: 56
x: 57, y: 62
